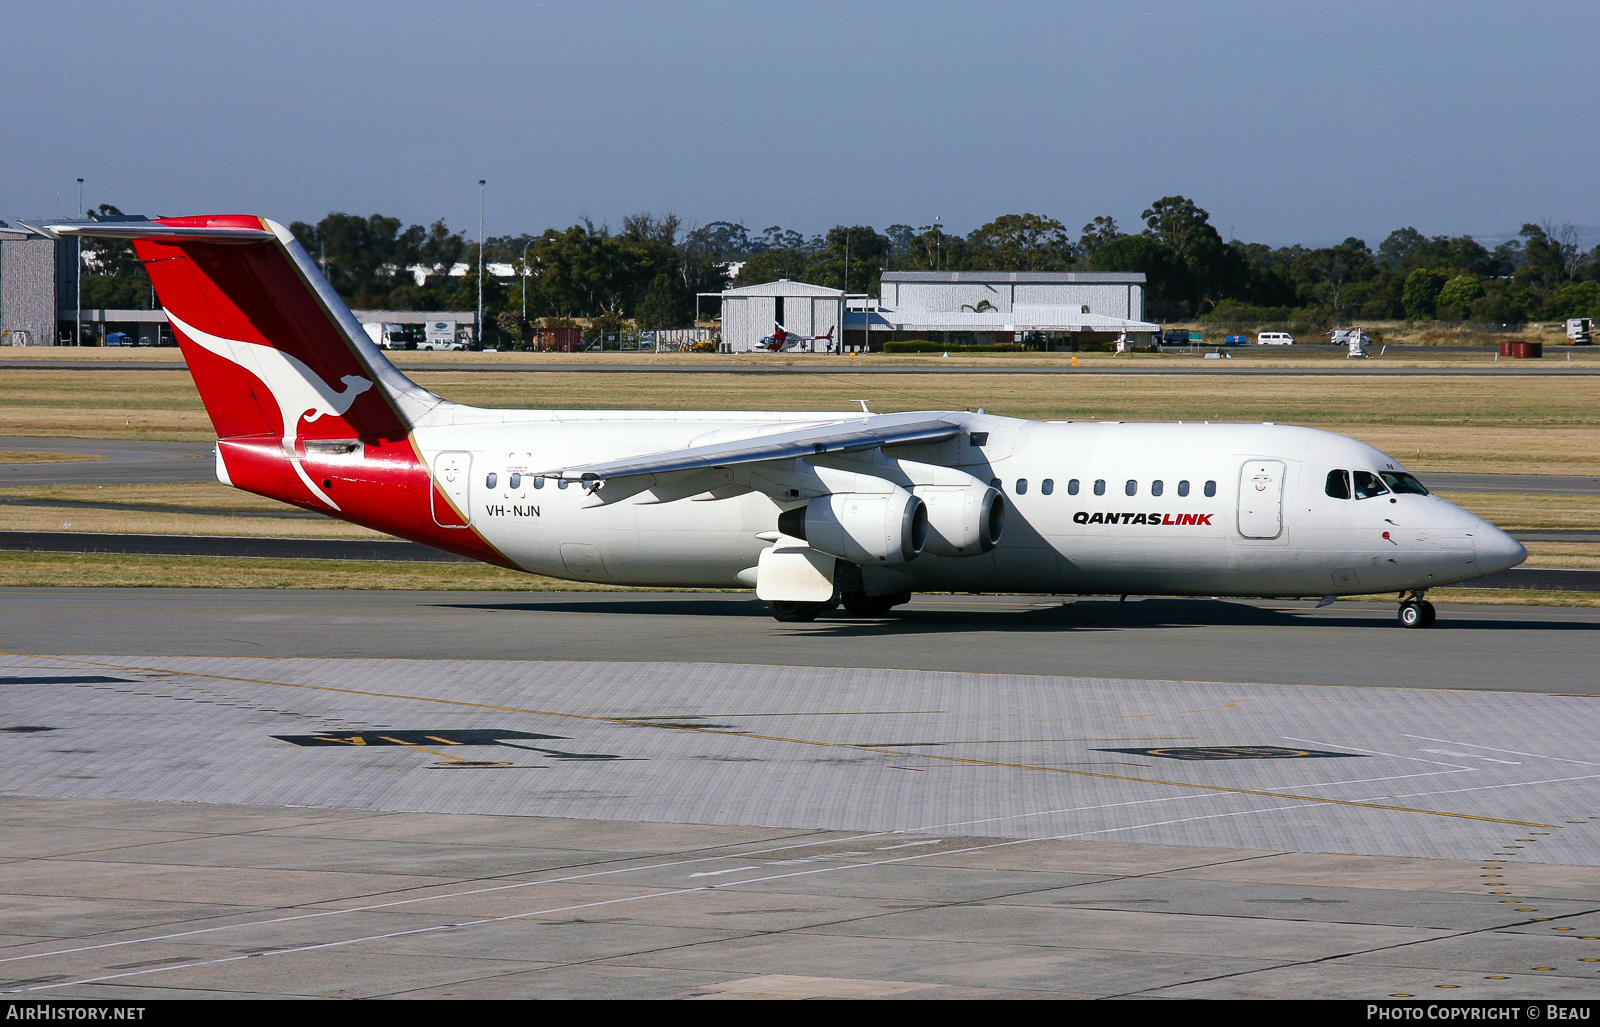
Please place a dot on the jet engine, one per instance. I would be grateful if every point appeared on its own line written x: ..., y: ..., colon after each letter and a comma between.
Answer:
x: 870, y: 528
x: 963, y: 521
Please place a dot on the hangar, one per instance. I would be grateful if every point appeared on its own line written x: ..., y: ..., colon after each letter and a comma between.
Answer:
x: 1058, y: 310
x: 750, y: 313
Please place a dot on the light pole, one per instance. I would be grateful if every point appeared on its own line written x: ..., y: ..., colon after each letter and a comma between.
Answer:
x: 525, y: 280
x: 479, y: 323
x: 77, y: 276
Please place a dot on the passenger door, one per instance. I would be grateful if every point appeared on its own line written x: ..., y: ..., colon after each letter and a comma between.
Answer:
x: 1261, y: 499
x: 452, y: 476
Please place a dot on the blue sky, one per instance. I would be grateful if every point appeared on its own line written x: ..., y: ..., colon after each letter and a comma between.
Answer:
x: 1289, y: 122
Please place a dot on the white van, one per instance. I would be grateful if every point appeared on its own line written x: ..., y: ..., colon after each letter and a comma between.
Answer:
x: 1274, y: 339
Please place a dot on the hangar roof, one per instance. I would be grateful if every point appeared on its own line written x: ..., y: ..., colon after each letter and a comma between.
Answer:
x: 1020, y: 277
x: 784, y: 287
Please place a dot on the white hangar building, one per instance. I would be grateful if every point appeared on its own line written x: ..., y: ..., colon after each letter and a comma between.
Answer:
x: 751, y: 312
x: 1060, y: 310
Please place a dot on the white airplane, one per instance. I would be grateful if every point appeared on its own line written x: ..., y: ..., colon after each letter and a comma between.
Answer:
x: 810, y: 509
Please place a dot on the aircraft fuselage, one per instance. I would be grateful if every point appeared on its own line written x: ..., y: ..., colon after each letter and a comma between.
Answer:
x: 1092, y: 507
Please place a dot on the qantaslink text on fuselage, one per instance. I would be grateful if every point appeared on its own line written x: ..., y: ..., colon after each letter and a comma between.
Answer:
x: 1154, y: 520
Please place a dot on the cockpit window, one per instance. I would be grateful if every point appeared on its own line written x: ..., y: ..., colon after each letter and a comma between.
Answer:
x: 1368, y: 485
x: 1338, y: 484
x: 1403, y: 483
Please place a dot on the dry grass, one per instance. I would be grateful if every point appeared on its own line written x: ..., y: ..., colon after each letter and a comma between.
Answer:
x: 17, y: 456
x: 112, y: 570
x: 1516, y: 423
x: 1514, y: 511
x: 198, y: 494
x: 1495, y: 597
x: 103, y: 404
x: 1563, y: 554
x: 218, y: 510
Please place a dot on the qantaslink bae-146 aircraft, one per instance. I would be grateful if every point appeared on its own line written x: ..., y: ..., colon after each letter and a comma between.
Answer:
x: 811, y: 509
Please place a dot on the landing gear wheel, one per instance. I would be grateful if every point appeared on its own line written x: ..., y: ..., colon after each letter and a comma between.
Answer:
x: 796, y: 612
x: 1417, y: 613
x: 859, y: 604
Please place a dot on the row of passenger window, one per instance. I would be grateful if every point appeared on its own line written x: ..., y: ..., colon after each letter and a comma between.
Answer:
x: 1130, y: 487
x: 1370, y: 484
x: 514, y: 481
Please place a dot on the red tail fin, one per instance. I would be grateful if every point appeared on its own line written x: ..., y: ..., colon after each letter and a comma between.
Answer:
x: 307, y: 409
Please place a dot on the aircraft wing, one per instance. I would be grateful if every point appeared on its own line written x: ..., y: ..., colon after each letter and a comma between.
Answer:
x: 846, y: 436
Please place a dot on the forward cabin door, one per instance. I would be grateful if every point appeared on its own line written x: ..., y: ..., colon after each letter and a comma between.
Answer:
x: 452, y: 475
x: 1261, y: 499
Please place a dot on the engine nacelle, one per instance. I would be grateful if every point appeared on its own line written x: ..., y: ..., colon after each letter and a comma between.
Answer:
x: 870, y: 528
x: 963, y: 521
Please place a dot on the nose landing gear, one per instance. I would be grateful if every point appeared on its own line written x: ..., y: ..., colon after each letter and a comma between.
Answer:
x: 1415, y: 611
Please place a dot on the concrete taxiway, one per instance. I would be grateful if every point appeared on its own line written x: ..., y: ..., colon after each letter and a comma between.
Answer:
x: 240, y: 826
x: 393, y: 794
x: 109, y: 462
x: 1492, y: 648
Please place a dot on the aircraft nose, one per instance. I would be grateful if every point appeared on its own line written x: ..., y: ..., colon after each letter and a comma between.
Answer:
x: 1497, y: 551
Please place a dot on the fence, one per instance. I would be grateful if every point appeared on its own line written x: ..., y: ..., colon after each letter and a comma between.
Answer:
x: 685, y: 340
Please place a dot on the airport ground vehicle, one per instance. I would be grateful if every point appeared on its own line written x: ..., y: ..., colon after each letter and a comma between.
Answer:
x: 809, y: 508
x: 1580, y: 331
x: 1274, y: 339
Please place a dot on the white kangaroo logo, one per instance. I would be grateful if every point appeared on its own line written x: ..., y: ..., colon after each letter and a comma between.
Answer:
x: 298, y: 390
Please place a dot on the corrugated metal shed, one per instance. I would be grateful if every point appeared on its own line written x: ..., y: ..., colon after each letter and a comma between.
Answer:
x: 1119, y: 295
x: 750, y: 313
x: 1027, y: 318
x: 29, y: 268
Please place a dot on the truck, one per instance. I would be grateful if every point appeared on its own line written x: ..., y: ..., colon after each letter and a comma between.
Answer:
x: 1580, y: 330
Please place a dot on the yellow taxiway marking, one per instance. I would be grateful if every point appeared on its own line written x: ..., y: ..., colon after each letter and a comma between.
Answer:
x: 797, y: 741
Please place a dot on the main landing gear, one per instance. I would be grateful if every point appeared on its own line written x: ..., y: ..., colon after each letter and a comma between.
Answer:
x: 1415, y: 611
x: 790, y: 613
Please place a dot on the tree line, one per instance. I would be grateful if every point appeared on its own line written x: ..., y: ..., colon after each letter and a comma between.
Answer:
x: 651, y: 269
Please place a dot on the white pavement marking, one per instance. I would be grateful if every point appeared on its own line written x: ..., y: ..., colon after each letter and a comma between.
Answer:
x: 1377, y: 752
x: 1513, y: 752
x: 1473, y: 756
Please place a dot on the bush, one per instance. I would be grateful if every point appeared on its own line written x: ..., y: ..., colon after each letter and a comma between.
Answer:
x: 1235, y: 312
